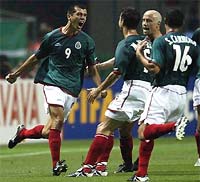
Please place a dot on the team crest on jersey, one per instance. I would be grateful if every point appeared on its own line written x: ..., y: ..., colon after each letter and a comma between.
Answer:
x: 78, y: 45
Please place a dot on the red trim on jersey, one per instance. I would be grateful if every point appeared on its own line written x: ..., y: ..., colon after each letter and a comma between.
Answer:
x: 117, y: 72
x: 114, y: 111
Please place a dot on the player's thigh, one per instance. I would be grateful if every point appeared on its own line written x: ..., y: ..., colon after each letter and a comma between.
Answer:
x: 126, y: 130
x: 108, y: 126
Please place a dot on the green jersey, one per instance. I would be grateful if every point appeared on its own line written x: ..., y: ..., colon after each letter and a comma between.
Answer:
x: 126, y: 63
x: 177, y: 56
x: 196, y: 37
x: 65, y: 59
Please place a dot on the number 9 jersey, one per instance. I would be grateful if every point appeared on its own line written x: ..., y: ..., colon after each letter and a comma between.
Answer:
x: 177, y: 56
x: 65, y: 59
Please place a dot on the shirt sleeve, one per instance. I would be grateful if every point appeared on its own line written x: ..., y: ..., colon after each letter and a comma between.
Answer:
x: 91, y: 58
x: 44, y: 48
x: 121, y: 60
x: 157, y: 54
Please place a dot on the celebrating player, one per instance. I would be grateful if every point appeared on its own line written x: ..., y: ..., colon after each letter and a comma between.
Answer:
x: 66, y: 52
x: 173, y: 58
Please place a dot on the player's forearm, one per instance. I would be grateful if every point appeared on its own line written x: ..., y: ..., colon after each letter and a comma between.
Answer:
x: 108, y: 82
x: 106, y: 65
x: 26, y: 66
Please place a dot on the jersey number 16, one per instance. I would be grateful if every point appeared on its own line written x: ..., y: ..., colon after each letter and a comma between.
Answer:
x: 183, y: 60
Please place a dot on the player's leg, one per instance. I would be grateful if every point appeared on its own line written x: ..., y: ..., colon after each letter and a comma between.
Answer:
x: 97, y: 148
x: 197, y: 137
x: 57, y: 119
x: 126, y: 147
x: 37, y: 132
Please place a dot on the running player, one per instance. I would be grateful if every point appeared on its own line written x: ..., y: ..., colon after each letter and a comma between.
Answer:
x: 66, y: 52
x: 128, y: 105
x: 173, y: 58
x: 196, y: 100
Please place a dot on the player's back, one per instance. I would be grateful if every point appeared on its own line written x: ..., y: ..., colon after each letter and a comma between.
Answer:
x: 177, y: 56
x: 126, y: 61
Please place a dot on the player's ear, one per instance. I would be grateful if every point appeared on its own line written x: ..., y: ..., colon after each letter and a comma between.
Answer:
x: 159, y: 22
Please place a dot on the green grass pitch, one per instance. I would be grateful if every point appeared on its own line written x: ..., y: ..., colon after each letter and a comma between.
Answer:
x: 172, y: 161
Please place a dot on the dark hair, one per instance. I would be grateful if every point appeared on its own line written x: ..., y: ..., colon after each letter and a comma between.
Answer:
x: 130, y: 17
x: 174, y: 18
x: 71, y: 9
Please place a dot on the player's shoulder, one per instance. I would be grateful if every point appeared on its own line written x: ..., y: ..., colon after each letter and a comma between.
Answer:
x: 134, y: 38
x: 86, y: 36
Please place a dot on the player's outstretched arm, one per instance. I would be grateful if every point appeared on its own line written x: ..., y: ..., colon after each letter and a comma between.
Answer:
x: 109, y: 81
x: 105, y: 65
x: 26, y: 66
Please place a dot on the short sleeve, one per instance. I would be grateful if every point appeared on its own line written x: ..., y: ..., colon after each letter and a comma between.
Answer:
x: 44, y: 48
x: 91, y: 56
x: 157, y: 54
x: 121, y: 60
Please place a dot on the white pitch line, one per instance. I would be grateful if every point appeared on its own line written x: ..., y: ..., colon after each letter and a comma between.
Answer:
x: 70, y: 150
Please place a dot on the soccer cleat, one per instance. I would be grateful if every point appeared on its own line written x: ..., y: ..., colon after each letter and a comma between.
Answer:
x: 180, y: 127
x: 85, y: 171
x: 100, y: 169
x: 61, y: 166
x: 16, y: 139
x: 139, y: 179
x: 197, y: 164
x: 123, y: 168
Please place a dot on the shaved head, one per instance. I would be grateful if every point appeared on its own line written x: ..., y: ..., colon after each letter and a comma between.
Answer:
x: 155, y: 15
x: 151, y: 22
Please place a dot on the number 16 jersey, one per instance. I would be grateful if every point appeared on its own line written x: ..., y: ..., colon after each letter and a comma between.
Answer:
x: 177, y: 56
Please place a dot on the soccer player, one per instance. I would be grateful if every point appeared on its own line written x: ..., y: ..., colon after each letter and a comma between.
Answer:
x: 128, y: 105
x: 173, y: 57
x: 151, y: 22
x: 196, y: 100
x: 66, y: 52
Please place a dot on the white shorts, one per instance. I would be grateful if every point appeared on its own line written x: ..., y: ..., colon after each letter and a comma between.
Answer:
x: 129, y: 104
x: 196, y: 93
x: 165, y: 104
x: 56, y: 96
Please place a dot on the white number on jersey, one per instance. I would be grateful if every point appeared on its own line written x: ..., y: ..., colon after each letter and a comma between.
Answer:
x: 68, y: 52
x: 146, y: 53
x: 182, y: 60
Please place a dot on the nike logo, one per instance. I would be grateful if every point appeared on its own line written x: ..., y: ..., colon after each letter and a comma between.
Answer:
x: 58, y: 44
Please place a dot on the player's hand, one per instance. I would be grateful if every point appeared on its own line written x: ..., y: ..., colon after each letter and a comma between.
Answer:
x: 103, y: 94
x: 93, y: 94
x: 11, y: 78
x: 140, y: 46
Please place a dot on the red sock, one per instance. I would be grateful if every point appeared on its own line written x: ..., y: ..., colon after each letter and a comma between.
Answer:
x: 144, y: 157
x: 34, y: 133
x: 54, y: 145
x: 126, y: 147
x: 104, y: 156
x: 97, y: 147
x: 197, y: 138
x: 154, y: 131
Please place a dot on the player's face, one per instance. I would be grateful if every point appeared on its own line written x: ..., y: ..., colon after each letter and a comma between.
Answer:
x: 149, y: 24
x: 78, y: 18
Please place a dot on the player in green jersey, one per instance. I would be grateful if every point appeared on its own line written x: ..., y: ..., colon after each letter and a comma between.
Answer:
x: 66, y: 52
x: 173, y: 57
x: 196, y: 100
x: 128, y: 105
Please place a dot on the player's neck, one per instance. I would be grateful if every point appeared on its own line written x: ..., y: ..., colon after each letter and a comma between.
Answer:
x: 129, y: 32
x: 169, y: 29
x: 69, y: 31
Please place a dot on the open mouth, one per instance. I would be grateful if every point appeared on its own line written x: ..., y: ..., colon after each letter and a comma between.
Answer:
x: 80, y: 24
